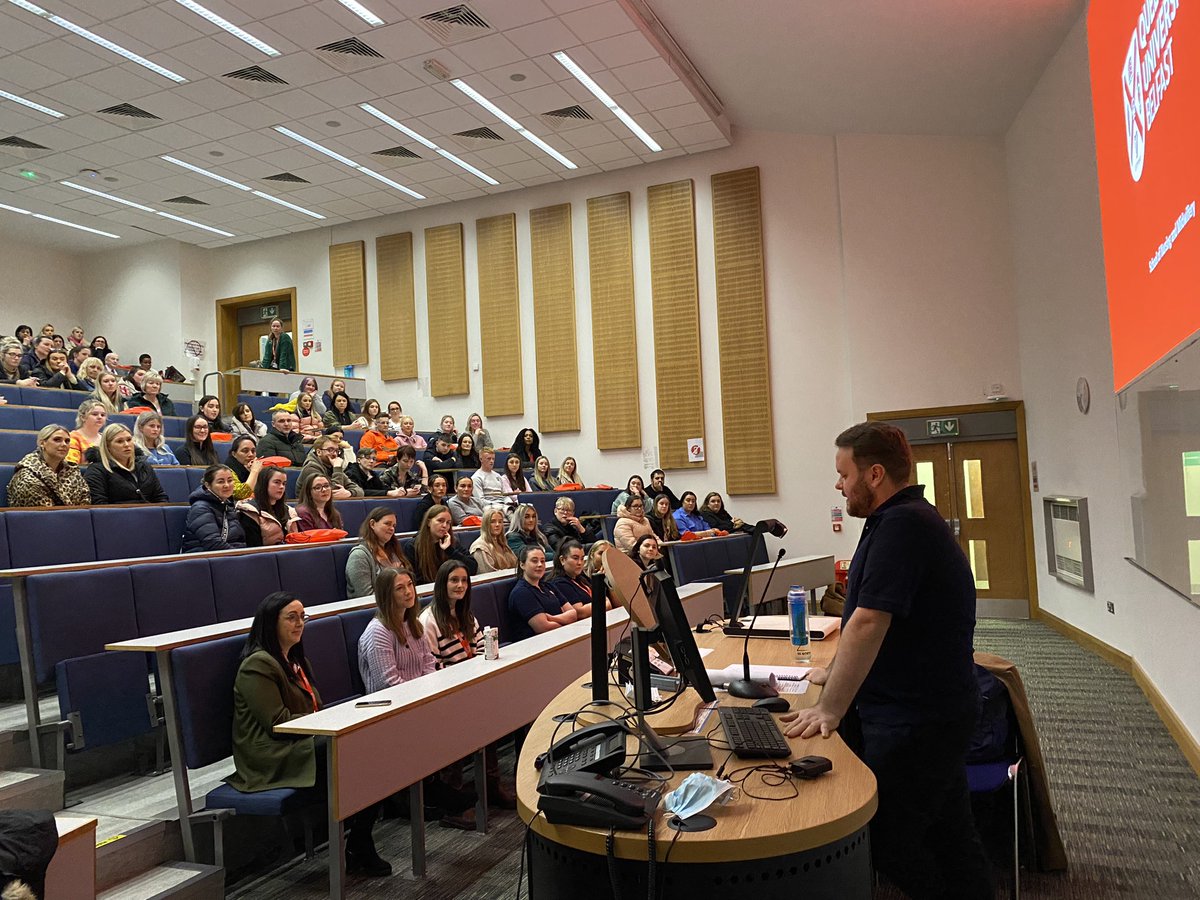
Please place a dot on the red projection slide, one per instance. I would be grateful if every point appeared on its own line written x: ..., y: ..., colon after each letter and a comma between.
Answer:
x: 1145, y: 67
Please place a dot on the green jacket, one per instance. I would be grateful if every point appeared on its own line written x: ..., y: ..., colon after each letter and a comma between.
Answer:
x: 287, y: 354
x: 263, y: 697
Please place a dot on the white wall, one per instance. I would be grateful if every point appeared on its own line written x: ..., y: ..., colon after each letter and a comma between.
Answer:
x: 850, y: 331
x: 39, y: 285
x: 1063, y: 327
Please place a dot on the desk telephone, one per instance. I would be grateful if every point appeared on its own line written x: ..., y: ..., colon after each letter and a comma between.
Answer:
x: 596, y: 748
x: 575, y: 788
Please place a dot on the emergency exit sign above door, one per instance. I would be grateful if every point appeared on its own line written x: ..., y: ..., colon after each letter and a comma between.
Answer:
x: 941, y: 428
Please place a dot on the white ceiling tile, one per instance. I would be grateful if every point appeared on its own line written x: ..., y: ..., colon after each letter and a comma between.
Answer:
x: 20, y: 31
x: 542, y: 38
x: 317, y: 172
x: 138, y: 146
x: 417, y: 172
x: 56, y: 137
x: 209, y: 93
x: 296, y: 104
x: 300, y: 69
x: 664, y: 96
x: 678, y: 116
x: 87, y: 205
x: 603, y: 153
x: 566, y: 6
x: 213, y: 56
x: 346, y: 206
x: 635, y: 76
x: 262, y: 9
x: 341, y: 91
x: 402, y: 40
x: 420, y: 102
x: 623, y: 49
x: 598, y: 22
x: 125, y: 82
x: 80, y: 95
x: 360, y: 184
x: 75, y: 60
x: 385, y: 80
x: 173, y: 136
x: 501, y: 155
x: 256, y: 115
x: 92, y: 127
x: 540, y: 100
x: 16, y: 119
x: 502, y: 77
x: 214, y: 125
x: 489, y: 52
x: 699, y: 133
x: 364, y: 142
x: 530, y: 168
x: 307, y: 27
x: 171, y: 105
x: 259, y: 143
x: 311, y: 193
x: 155, y: 28
x: 23, y: 75
x: 450, y: 121
x: 588, y: 136
x: 446, y: 185
x: 503, y: 15
x: 622, y: 163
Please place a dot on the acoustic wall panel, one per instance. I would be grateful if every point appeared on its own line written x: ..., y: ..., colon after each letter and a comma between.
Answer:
x: 446, y: 307
x: 614, y: 333
x: 554, y: 312
x: 742, y: 333
x: 677, y: 381
x: 499, y: 315
x: 348, y: 303
x: 397, y: 306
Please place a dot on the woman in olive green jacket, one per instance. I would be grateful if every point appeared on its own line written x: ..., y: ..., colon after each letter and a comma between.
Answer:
x: 275, y: 684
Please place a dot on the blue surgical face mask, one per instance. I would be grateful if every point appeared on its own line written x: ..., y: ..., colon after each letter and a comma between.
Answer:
x: 697, y: 793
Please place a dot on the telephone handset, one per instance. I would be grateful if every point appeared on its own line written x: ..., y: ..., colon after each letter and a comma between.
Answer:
x: 593, y: 801
x: 596, y: 748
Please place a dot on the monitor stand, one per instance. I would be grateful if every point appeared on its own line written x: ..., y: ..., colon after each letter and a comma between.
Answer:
x: 660, y: 754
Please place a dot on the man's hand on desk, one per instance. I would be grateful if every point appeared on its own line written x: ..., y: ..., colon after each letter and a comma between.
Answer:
x: 817, y: 675
x: 810, y: 722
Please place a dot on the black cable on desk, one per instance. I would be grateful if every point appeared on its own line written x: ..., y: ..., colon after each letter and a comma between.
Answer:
x: 613, y: 883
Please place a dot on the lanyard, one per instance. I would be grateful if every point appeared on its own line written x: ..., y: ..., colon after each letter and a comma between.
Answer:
x: 299, y: 670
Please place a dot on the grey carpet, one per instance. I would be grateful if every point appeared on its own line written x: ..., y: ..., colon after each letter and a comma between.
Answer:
x: 1128, y: 804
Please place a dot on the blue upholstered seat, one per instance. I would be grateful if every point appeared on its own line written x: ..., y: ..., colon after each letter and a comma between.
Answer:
x: 353, y: 625
x: 72, y: 615
x: 325, y: 647
x: 15, y: 444
x: 50, y: 537
x: 55, y: 397
x: 175, y: 519
x: 129, y: 532
x: 6, y: 474
x: 341, y: 552
x: 174, y: 481
x: 309, y: 573
x: 354, y: 512
x: 16, y: 418
x: 50, y: 416
x: 104, y: 697
x: 241, y: 582
x: 172, y: 596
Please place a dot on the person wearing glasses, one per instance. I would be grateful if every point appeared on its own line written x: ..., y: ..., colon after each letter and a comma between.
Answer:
x: 325, y: 459
x: 197, y: 448
x: 212, y: 521
x: 275, y: 683
x: 315, y: 507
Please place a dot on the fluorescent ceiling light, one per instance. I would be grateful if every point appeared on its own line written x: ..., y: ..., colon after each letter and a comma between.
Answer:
x: 42, y: 109
x: 228, y: 26
x: 599, y: 93
x: 113, y: 198
x: 142, y: 207
x: 25, y: 212
x: 388, y: 120
x: 361, y: 11
x: 99, y: 41
x: 346, y: 161
x: 511, y: 122
x: 241, y: 187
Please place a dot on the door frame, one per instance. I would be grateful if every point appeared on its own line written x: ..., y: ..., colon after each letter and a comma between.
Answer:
x: 229, y: 343
x: 1017, y: 407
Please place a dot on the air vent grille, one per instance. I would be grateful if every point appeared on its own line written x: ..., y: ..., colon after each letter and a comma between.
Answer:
x: 287, y: 177
x: 351, y: 47
x: 14, y: 141
x: 255, y: 73
x: 398, y: 152
x: 129, y: 111
x: 186, y: 201
x: 569, y: 112
x: 455, y: 23
x: 1072, y: 569
x: 479, y: 134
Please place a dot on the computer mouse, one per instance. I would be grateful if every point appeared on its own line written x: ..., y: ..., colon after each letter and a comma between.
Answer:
x: 774, y: 704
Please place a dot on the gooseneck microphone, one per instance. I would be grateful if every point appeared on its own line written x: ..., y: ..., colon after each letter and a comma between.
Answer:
x: 746, y: 687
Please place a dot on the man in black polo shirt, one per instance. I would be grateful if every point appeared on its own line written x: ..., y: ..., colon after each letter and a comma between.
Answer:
x: 902, y: 687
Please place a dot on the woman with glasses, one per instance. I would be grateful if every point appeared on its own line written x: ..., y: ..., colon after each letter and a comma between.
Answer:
x: 275, y: 683
x: 212, y: 521
x: 315, y: 507
x: 10, y: 367
x: 631, y: 524
x: 152, y: 395
x: 197, y: 448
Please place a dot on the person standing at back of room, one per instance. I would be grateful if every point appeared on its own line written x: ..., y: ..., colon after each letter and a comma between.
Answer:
x: 902, y: 688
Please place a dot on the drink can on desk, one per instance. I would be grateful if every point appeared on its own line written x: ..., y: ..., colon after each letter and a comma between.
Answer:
x: 797, y: 600
x: 491, y: 642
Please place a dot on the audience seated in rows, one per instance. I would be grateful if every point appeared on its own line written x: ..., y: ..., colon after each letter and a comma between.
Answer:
x: 118, y: 472
x: 212, y: 520
x: 433, y: 545
x: 646, y: 552
x: 447, y: 428
x: 90, y: 420
x: 482, y: 436
x: 196, y: 448
x: 566, y: 526
x: 377, y: 549
x: 439, y: 457
x: 340, y: 411
x: 246, y: 465
x: 542, y: 479
x: 274, y: 684
x: 489, y: 484
x: 266, y: 518
x: 337, y: 386
x: 380, y: 441
x: 439, y: 489
x: 87, y: 374
x: 533, y: 608
x: 315, y: 507
x: 108, y: 392
x: 308, y: 385
x: 463, y: 504
x: 282, y: 440
x: 527, y: 446
x: 713, y: 512
x: 632, y: 487
x: 569, y: 582
x: 209, y: 409
x: 10, y: 366
x: 490, y: 550
x: 523, y: 530
x: 662, y: 521
x: 513, y: 481
x: 243, y: 422
x: 407, y: 436
x: 688, y: 518
x: 408, y: 473
x: 466, y: 456
x: 658, y: 485
x: 325, y: 459
x: 148, y: 435
x: 568, y: 472
x: 632, y: 523
x: 45, y: 477
x: 309, y: 425
x: 364, y: 472
x: 152, y: 395
x: 371, y: 410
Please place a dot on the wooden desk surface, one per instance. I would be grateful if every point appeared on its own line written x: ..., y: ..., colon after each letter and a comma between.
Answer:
x: 828, y: 808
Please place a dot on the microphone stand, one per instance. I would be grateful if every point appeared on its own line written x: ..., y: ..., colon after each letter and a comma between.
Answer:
x: 745, y: 687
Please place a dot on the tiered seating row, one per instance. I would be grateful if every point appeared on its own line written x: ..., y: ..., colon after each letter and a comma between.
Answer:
x: 56, y: 397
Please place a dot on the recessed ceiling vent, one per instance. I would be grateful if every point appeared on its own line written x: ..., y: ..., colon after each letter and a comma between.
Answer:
x: 255, y: 73
x: 396, y: 153
x: 454, y: 24
x: 287, y: 178
x: 478, y: 138
x: 21, y: 148
x: 129, y: 111
x: 350, y: 55
x: 186, y: 201
x: 567, y: 117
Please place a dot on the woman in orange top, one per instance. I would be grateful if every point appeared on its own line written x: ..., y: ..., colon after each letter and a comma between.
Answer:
x: 378, y: 439
x: 89, y: 422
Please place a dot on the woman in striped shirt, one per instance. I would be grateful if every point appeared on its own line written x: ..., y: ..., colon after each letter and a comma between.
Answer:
x: 454, y: 635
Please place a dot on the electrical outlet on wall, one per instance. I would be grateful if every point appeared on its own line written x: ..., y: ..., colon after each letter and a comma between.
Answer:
x: 1112, y: 609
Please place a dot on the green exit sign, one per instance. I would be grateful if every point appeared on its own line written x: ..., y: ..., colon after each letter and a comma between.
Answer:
x: 941, y: 427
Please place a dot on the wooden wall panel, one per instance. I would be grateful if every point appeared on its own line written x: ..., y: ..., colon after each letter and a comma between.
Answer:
x: 742, y: 333
x: 499, y: 315
x: 348, y: 303
x: 397, y: 306
x: 446, y: 304
x: 554, y: 312
x: 677, y: 382
x: 614, y: 333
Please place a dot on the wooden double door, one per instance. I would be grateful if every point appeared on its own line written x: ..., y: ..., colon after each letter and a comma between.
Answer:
x: 976, y: 486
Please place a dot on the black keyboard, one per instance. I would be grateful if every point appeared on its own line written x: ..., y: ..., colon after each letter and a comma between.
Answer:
x: 752, y: 733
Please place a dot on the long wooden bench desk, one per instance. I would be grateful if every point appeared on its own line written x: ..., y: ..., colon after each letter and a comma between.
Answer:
x: 441, y: 718
x: 814, y: 845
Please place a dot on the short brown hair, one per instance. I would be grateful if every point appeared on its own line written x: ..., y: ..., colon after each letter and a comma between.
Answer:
x: 873, y: 443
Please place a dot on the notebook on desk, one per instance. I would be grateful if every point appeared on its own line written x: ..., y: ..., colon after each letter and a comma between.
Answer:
x: 819, y: 627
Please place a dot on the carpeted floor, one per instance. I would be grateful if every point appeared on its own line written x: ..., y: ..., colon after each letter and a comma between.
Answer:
x: 1128, y: 804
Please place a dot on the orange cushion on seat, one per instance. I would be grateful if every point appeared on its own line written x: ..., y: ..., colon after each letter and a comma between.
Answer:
x: 316, y: 536
x: 278, y: 462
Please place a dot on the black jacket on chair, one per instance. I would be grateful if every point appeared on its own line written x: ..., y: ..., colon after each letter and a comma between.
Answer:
x: 121, y: 485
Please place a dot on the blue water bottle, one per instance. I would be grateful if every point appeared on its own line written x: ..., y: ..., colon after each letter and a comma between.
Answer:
x: 797, y: 600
